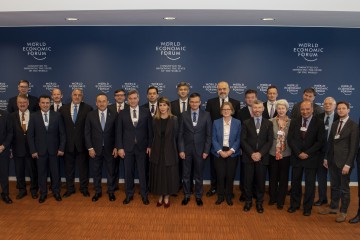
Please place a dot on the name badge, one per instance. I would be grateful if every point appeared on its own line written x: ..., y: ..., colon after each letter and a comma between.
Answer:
x: 303, y: 129
x: 326, y: 127
x: 280, y: 132
x: 337, y: 136
x: 257, y: 131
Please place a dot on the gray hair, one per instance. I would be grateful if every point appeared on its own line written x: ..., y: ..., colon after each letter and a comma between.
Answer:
x: 282, y: 102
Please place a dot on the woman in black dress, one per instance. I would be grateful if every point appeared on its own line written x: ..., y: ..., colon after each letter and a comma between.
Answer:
x: 164, y: 173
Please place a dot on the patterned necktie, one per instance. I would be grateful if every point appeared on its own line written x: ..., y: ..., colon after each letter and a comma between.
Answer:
x: 102, y: 121
x: 23, y: 124
x: 194, y: 117
x: 152, y: 109
x: 119, y: 108
x: 272, y: 111
x: 257, y: 124
x: 46, y: 121
x: 75, y: 113
x: 183, y: 106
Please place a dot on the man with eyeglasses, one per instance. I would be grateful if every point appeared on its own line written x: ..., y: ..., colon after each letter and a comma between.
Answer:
x: 23, y: 88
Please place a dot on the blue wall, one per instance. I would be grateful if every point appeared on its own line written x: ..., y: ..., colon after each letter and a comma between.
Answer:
x: 107, y: 58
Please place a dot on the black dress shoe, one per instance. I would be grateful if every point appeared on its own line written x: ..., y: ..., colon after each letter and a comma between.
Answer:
x: 259, y: 208
x: 34, y: 195
x: 211, y: 192
x: 117, y: 188
x: 307, y: 212
x: 96, y: 197
x: 219, y: 200
x: 199, y: 202
x: 57, y: 197
x: 21, y: 195
x: 42, y: 198
x: 229, y: 201
x: 355, y: 219
x: 247, y: 207
x: 68, y: 194
x: 280, y: 207
x: 320, y: 202
x: 272, y: 202
x: 145, y: 201
x: 127, y: 200
x: 85, y: 193
x: 185, y: 201
x: 292, y: 209
x: 242, y: 198
x: 112, y: 197
x: 6, y: 198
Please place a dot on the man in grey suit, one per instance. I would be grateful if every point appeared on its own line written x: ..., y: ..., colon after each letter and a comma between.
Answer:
x: 343, y: 145
x: 46, y: 137
x: 194, y: 146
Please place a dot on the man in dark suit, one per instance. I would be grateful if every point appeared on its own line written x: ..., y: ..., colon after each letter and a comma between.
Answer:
x: 152, y: 95
x: 213, y: 107
x: 6, y: 134
x: 306, y: 138
x: 23, y: 88
x: 194, y: 146
x: 46, y: 137
x: 356, y: 219
x: 74, y: 115
x: 179, y: 106
x: 308, y: 95
x: 56, y: 96
x: 256, y: 141
x: 343, y: 146
x: 20, y: 149
x: 134, y: 139
x: 100, y: 133
x: 244, y: 114
x: 329, y: 116
x: 269, y: 105
x: 118, y: 106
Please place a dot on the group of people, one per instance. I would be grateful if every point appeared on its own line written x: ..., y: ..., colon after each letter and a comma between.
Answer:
x: 168, y: 143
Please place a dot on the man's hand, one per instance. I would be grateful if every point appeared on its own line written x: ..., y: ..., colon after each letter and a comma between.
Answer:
x: 182, y: 155
x: 121, y: 153
x: 92, y: 153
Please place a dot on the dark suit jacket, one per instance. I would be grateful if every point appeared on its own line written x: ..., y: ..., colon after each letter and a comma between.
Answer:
x: 244, y: 114
x: 33, y: 104
x: 19, y: 145
x: 44, y: 141
x: 252, y: 142
x: 213, y: 107
x: 170, y: 143
x: 325, y: 146
x: 311, y: 144
x: 218, y: 136
x: 52, y: 107
x: 95, y: 137
x: 343, y: 151
x: 113, y: 108
x: 75, y: 131
x: 176, y: 107
x: 266, y: 111
x: 196, y: 138
x: 295, y: 113
x: 127, y: 132
x: 6, y: 132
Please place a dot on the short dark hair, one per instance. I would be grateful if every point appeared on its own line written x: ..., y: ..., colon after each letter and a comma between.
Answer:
x: 194, y: 95
x: 24, y: 81
x: 44, y: 96
x: 271, y: 87
x: 101, y: 94
x: 120, y: 90
x: 310, y: 90
x: 22, y: 96
x: 344, y: 102
x: 183, y: 84
x: 251, y: 91
x: 152, y: 87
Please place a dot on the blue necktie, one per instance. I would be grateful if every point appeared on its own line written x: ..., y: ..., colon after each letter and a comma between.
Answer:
x: 75, y: 113
x: 257, y: 123
x: 194, y: 117
x: 102, y: 121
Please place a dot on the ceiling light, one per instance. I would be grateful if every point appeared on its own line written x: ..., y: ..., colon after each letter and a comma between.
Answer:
x: 268, y: 19
x: 169, y: 18
x: 71, y: 19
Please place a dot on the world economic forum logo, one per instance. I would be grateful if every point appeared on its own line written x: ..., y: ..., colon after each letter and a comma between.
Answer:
x: 159, y: 85
x: 346, y: 89
x: 77, y: 85
x: 3, y: 87
x: 129, y: 86
x: 310, y: 52
x: 238, y: 88
x: 38, y: 50
x: 171, y: 50
x: 50, y: 86
x: 320, y: 89
x: 104, y: 87
x: 263, y: 87
x: 292, y: 88
x: 210, y: 87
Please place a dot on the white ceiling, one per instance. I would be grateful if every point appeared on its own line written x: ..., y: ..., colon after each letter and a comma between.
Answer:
x: 334, y: 13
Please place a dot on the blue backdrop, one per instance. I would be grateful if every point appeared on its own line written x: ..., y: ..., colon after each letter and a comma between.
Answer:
x: 102, y: 59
